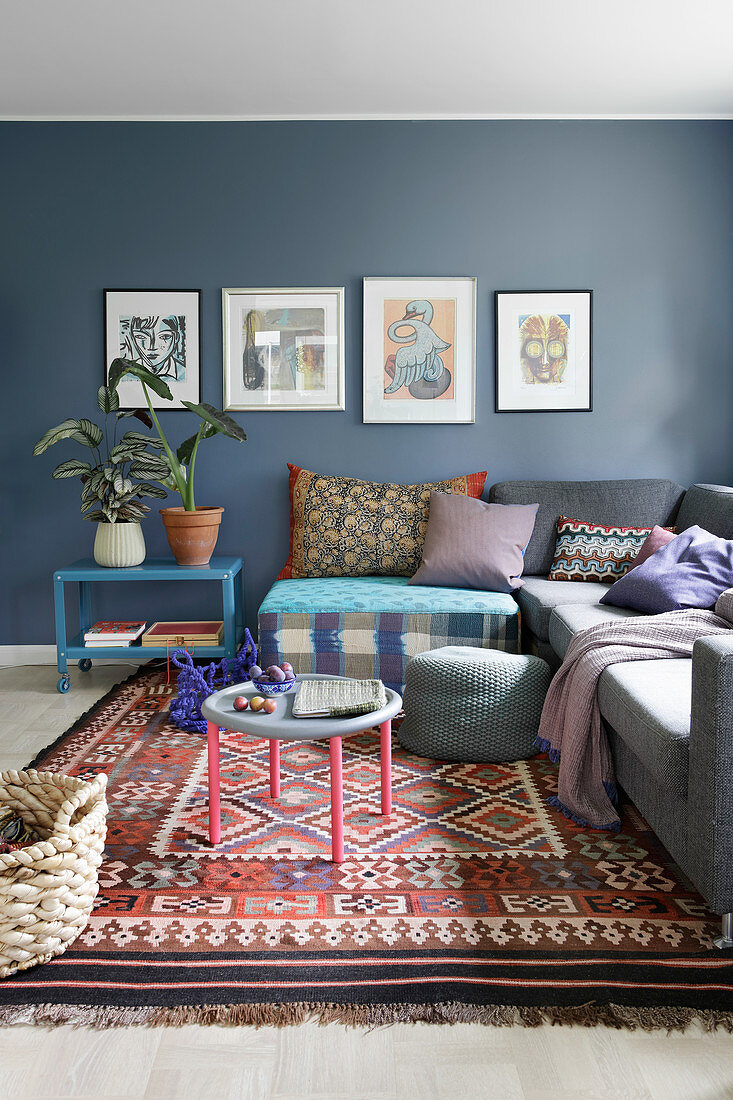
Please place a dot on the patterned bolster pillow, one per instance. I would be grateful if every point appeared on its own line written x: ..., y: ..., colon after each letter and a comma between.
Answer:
x: 594, y: 551
x: 341, y: 527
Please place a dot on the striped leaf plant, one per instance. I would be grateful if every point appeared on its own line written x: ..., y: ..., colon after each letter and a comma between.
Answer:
x: 119, y: 473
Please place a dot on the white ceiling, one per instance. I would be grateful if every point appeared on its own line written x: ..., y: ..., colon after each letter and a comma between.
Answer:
x: 217, y: 59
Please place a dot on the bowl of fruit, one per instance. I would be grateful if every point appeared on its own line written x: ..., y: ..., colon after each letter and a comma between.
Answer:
x: 275, y: 680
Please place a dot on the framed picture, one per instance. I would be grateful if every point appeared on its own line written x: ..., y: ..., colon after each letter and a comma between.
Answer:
x: 419, y: 351
x: 284, y: 349
x: 162, y: 330
x: 543, y: 350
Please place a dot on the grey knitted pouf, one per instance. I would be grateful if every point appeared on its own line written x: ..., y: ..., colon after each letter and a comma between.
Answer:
x: 473, y: 705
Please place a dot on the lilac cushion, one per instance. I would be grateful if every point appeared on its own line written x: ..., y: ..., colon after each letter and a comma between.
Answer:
x: 690, y: 571
x: 655, y: 540
x: 471, y: 544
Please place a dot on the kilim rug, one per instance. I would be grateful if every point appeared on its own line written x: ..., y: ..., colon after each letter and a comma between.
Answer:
x: 474, y: 900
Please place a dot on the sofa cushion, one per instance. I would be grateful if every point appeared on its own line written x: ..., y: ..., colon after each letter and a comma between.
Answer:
x: 587, y: 551
x: 567, y: 620
x: 709, y: 507
x: 648, y: 704
x: 638, y: 503
x: 472, y: 544
x: 342, y: 527
x: 538, y: 597
x: 655, y: 540
x: 692, y: 570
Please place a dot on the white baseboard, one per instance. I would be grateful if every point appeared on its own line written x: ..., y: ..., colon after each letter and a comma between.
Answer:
x: 13, y: 655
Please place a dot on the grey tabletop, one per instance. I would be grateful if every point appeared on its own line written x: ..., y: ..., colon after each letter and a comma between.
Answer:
x: 281, y: 726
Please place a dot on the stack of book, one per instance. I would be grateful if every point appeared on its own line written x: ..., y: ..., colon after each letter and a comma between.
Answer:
x: 105, y: 634
x: 173, y: 635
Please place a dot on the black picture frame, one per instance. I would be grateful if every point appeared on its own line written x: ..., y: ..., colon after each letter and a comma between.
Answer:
x: 500, y: 405
x: 191, y: 390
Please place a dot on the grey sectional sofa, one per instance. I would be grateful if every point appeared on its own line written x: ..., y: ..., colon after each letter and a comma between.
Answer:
x: 670, y: 723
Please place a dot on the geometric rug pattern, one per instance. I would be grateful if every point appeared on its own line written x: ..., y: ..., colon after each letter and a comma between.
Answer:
x: 473, y: 892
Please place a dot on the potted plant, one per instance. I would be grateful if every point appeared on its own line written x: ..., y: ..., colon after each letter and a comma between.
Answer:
x: 115, y: 480
x: 192, y: 529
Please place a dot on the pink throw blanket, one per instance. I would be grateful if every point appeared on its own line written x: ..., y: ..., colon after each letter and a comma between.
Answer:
x: 570, y: 727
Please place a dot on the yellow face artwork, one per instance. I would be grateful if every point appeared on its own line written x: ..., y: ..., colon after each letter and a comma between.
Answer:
x: 544, y: 348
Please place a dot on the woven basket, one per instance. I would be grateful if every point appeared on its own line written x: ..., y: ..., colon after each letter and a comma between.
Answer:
x: 48, y: 888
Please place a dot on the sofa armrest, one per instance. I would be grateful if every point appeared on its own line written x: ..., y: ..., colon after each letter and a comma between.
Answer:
x: 710, y: 781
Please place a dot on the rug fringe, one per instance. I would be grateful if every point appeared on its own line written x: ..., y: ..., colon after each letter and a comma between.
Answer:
x: 625, y: 1017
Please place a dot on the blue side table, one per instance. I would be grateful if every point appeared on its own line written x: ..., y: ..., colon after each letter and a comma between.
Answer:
x: 229, y: 571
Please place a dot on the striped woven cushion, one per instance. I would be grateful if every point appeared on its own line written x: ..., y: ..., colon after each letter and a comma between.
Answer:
x: 594, y: 551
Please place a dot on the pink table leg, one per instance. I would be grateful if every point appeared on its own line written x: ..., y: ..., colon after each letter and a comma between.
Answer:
x: 337, y: 801
x: 385, y: 753
x: 274, y: 769
x: 212, y: 737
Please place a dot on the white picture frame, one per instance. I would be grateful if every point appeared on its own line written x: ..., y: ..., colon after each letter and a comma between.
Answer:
x: 283, y: 349
x: 557, y: 326
x: 422, y: 372
x: 162, y: 330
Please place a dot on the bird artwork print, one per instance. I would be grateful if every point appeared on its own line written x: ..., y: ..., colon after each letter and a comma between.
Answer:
x: 417, y: 365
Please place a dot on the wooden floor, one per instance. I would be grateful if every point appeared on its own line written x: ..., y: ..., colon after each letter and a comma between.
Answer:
x: 404, y: 1062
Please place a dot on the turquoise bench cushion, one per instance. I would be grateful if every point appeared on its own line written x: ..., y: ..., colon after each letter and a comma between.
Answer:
x: 381, y: 594
x: 369, y: 627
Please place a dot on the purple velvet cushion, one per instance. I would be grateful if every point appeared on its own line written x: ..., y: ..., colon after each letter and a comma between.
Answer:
x: 690, y: 571
x: 471, y: 544
x: 655, y: 540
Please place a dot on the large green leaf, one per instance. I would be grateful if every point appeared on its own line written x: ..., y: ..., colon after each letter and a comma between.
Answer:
x: 88, y: 433
x: 65, y: 430
x: 120, y: 367
x: 147, y: 489
x: 184, y: 452
x: 95, y: 483
x: 72, y: 468
x: 122, y: 484
x: 218, y: 419
x: 133, y: 510
x: 107, y: 399
x: 96, y: 517
x: 146, y: 470
x: 140, y: 440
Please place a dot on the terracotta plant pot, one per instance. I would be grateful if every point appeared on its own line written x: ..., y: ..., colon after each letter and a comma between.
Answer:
x: 192, y: 535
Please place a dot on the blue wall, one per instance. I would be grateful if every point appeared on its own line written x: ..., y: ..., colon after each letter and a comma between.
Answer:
x: 638, y: 211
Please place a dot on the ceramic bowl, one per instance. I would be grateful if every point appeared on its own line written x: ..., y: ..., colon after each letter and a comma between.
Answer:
x: 266, y: 687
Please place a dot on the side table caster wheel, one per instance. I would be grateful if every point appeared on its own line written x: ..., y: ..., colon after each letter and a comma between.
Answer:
x: 85, y: 664
x: 63, y: 684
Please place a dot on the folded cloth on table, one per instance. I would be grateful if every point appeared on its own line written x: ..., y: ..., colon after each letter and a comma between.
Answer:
x: 338, y: 698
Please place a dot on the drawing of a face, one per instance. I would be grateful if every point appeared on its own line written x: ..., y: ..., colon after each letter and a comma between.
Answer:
x: 544, y: 348
x: 159, y: 343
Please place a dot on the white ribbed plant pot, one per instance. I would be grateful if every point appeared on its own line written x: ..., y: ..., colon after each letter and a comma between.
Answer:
x: 117, y: 545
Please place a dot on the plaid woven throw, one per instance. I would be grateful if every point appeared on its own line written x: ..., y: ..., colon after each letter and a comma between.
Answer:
x: 338, y: 698
x: 571, y: 729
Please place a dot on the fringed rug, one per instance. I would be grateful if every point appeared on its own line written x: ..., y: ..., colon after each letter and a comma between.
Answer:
x: 473, y: 901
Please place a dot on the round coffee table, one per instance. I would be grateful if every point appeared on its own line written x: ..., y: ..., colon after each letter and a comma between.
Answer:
x: 219, y: 712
